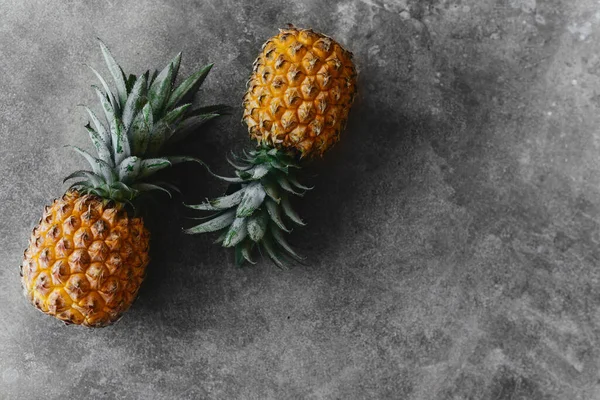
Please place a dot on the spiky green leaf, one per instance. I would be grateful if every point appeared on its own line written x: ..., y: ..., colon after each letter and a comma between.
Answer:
x: 129, y: 169
x: 100, y: 128
x: 129, y: 82
x: 92, y: 178
x: 135, y: 101
x: 146, y: 187
x: 246, y: 251
x: 80, y: 184
x: 272, y: 189
x: 188, y: 87
x: 120, y: 141
x: 253, y: 197
x: 101, y: 148
x: 236, y: 233
x: 157, y: 137
x: 176, y: 62
x: 237, y: 166
x: 220, y: 203
x: 122, y: 192
x: 152, y: 165
x: 98, y: 166
x: 221, y: 237
x: 116, y: 72
x: 176, y: 114
x: 144, y: 123
x: 109, y: 111
x: 281, y: 241
x: 158, y: 95
x: 276, y: 164
x: 182, y: 159
x: 285, y: 185
x: 152, y: 78
x: 274, y: 213
x: 254, y: 173
x: 215, y: 224
x: 257, y: 225
x: 272, y: 252
x: 290, y: 212
x: 223, y: 178
x: 114, y: 102
x: 173, y: 118
x: 292, y: 179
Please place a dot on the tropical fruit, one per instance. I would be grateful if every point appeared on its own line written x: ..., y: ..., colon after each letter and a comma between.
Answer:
x: 300, y: 92
x: 87, y: 256
x: 297, y: 103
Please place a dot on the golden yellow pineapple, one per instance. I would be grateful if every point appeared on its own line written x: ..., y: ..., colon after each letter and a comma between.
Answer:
x: 297, y: 103
x: 86, y: 260
x: 87, y: 256
x: 300, y: 92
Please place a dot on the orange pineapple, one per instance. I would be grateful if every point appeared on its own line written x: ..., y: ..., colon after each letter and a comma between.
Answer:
x: 86, y: 259
x: 300, y: 92
x: 87, y: 256
x: 297, y: 103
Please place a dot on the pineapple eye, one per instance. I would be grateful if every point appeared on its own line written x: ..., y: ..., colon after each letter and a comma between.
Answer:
x: 45, y: 258
x: 53, y: 232
x: 278, y: 82
x: 323, y: 44
x: 337, y: 64
x: 100, y: 229
x: 60, y: 272
x: 266, y: 124
x: 265, y: 76
x: 269, y: 54
x: 280, y: 61
x: 88, y: 216
x: 274, y: 108
x: 98, y: 251
x: 326, y: 77
x: 79, y: 260
x: 294, y: 73
x: 295, y: 48
x: 63, y: 247
x: 47, y: 212
x: 82, y: 238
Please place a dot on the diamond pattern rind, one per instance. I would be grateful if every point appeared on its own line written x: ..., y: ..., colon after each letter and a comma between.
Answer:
x: 295, y: 69
x: 85, y: 273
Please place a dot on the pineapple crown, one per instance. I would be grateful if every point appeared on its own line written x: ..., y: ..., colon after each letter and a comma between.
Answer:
x: 145, y: 113
x: 253, y: 214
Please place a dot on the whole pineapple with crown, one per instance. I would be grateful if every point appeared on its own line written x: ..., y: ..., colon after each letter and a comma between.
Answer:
x: 87, y: 256
x: 297, y: 103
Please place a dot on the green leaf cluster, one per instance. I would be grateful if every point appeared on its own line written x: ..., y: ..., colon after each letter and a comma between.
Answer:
x: 139, y: 117
x: 256, y: 214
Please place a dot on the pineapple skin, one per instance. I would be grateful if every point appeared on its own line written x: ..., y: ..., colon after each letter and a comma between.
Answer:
x: 85, y: 261
x: 300, y: 92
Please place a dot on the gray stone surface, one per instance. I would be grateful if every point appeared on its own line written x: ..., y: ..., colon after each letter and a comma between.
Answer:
x: 453, y: 233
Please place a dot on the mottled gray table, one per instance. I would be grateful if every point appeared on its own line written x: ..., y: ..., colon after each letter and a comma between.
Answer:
x: 453, y: 233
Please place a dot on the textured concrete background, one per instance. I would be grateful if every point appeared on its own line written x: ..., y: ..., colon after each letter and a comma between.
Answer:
x: 453, y: 233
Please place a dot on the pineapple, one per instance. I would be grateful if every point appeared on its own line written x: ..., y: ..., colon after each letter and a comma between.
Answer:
x: 297, y: 103
x: 300, y: 92
x: 87, y: 256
